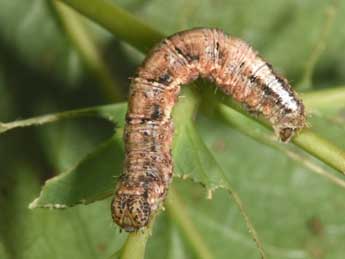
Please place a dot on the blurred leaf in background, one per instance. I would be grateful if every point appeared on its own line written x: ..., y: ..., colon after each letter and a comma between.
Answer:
x: 296, y: 213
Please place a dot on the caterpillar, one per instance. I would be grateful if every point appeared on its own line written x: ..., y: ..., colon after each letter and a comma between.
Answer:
x: 237, y: 69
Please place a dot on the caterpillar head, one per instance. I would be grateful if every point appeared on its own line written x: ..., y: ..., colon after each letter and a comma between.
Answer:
x: 290, y: 124
x: 130, y: 211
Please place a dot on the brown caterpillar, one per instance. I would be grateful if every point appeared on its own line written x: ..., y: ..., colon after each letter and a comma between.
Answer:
x: 235, y: 68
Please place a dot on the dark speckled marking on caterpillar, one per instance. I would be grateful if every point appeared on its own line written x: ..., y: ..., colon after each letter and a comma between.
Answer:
x: 235, y: 68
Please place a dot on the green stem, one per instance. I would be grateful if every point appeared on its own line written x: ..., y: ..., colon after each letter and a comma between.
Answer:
x: 121, y: 23
x: 324, y: 150
x: 307, y: 139
x: 262, y: 135
x: 178, y: 213
x: 88, y: 50
x: 135, y: 245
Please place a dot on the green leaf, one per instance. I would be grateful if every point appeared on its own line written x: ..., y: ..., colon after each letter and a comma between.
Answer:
x: 280, y: 193
x: 292, y: 209
x: 73, y: 233
x: 89, y: 189
x: 91, y: 179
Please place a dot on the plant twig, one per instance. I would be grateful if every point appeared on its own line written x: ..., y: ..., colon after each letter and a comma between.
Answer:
x: 324, y: 150
x: 135, y: 245
x: 122, y: 24
x: 245, y: 126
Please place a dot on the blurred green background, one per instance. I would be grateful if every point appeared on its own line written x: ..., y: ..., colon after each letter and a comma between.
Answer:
x: 297, y: 213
